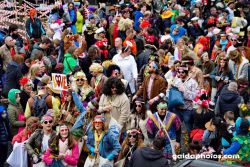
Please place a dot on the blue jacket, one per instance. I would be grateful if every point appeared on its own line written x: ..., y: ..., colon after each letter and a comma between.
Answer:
x: 109, y: 145
x: 137, y: 15
x: 81, y: 108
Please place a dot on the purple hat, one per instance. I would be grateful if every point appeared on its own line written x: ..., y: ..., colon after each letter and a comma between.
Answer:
x: 92, y: 8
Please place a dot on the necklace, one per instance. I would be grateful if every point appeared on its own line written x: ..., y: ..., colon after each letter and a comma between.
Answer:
x: 98, y: 138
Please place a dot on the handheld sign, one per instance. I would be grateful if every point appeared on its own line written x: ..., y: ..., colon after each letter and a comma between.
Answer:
x: 59, y: 81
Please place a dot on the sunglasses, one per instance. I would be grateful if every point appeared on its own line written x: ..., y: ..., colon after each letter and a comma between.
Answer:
x: 79, y: 80
x: 46, y: 122
x: 132, y: 136
x: 98, y: 123
x: 138, y: 106
x: 181, y: 72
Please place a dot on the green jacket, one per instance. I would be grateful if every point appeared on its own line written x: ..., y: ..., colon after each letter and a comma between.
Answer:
x: 13, y: 111
x: 69, y: 63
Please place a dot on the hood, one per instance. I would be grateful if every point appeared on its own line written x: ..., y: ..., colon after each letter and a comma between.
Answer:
x: 67, y: 55
x: 228, y: 96
x: 151, y: 154
x: 11, y: 95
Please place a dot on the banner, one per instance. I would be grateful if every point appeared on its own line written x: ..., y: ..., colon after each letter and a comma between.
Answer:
x: 59, y: 81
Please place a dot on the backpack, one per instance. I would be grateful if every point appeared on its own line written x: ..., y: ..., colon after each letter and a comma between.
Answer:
x: 39, y: 105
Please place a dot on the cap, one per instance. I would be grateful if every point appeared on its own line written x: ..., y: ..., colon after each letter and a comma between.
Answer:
x: 99, y: 30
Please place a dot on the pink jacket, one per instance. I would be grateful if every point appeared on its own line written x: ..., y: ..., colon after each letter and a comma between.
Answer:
x: 68, y: 159
x: 20, y: 137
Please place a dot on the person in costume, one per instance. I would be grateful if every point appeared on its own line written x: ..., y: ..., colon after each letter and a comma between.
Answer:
x: 101, y: 142
x: 82, y: 88
x: 26, y: 91
x: 63, y: 149
x: 98, y: 79
x: 164, y: 123
x: 114, y: 102
x: 240, y: 144
x: 138, y: 118
x: 83, y: 125
x: 69, y: 111
x: 102, y: 42
x: 38, y: 142
x: 132, y: 142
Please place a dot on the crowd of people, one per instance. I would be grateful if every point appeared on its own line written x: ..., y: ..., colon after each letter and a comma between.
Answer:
x: 146, y: 80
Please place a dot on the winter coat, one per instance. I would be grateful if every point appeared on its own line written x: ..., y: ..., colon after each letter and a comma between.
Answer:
x: 6, y: 55
x: 5, y: 132
x: 120, y: 107
x: 69, y: 63
x: 109, y: 146
x: 13, y: 75
x: 34, y: 28
x: 229, y: 101
x: 34, y: 143
x: 14, y: 111
x: 148, y: 157
x: 16, y: 115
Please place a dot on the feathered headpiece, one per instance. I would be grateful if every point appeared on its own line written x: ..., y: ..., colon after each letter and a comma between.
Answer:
x: 24, y: 81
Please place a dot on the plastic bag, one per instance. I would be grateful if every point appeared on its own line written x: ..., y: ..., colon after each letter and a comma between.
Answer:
x: 89, y: 162
x: 18, y: 156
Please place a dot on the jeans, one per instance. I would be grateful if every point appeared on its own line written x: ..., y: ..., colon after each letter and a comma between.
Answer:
x: 186, y: 116
x: 213, y: 94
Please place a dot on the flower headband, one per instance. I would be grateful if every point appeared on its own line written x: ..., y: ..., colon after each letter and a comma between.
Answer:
x: 133, y: 131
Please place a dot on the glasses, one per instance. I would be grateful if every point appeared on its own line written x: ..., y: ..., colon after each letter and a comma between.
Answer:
x: 46, y: 122
x: 140, y: 106
x: 98, y: 123
x: 132, y: 136
x: 181, y: 72
x: 79, y: 80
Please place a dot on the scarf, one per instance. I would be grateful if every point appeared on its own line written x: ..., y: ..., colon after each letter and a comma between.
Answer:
x: 98, y: 139
x: 223, y: 44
